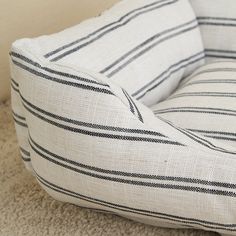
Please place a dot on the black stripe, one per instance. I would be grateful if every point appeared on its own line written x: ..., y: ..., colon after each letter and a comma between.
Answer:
x: 54, y: 79
x: 146, y: 42
x: 20, y: 123
x: 102, y: 135
x: 221, y: 137
x: 220, y: 56
x: 24, y: 151
x: 203, y: 94
x: 213, y: 81
x: 132, y: 103
x: 18, y: 116
x: 217, y: 23
x: 169, y: 72
x: 139, y: 183
x: 14, y: 88
x: 216, y: 134
x: 196, y: 111
x: 92, y: 125
x: 159, y: 215
x: 207, y: 110
x: 54, y: 72
x: 135, y: 175
x: 139, y: 114
x: 109, y: 30
x: 218, y: 53
x: 216, y: 18
x: 213, y: 132
x: 25, y: 159
x: 14, y: 82
x: 128, y: 99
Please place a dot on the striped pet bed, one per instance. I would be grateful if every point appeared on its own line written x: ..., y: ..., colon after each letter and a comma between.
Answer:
x: 120, y: 114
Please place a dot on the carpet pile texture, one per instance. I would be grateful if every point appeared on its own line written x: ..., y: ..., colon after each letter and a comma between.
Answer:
x: 26, y: 209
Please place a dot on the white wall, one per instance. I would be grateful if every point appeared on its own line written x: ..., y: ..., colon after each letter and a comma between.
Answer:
x: 29, y: 18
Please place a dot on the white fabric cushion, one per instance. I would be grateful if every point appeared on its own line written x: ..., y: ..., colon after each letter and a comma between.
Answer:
x: 205, y: 103
x: 145, y: 46
x: 217, y: 20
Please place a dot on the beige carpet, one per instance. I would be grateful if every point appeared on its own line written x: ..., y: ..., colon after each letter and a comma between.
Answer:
x: 25, y: 209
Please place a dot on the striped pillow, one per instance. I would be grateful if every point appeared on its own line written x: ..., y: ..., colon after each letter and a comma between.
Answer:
x: 146, y: 46
x: 217, y: 20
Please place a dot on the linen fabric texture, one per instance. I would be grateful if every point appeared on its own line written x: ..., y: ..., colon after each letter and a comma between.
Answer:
x: 218, y: 27
x: 204, y: 103
x: 89, y: 140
